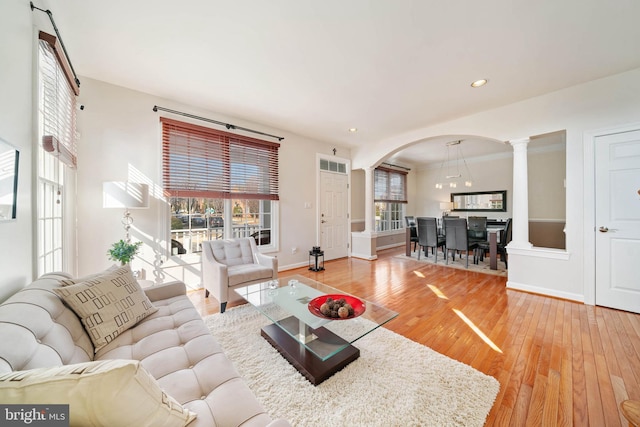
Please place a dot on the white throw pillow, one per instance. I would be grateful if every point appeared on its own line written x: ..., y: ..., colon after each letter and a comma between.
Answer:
x: 104, y: 393
x: 107, y: 304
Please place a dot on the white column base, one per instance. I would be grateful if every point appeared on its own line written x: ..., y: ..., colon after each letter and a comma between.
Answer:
x: 363, y: 245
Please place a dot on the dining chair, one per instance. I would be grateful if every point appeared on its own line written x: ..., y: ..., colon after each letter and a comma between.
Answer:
x: 457, y: 239
x: 411, y: 224
x: 428, y: 236
x: 482, y: 248
x: 477, y: 229
x: 441, y: 230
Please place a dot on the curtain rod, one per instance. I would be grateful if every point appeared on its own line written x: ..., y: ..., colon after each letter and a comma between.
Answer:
x: 227, y: 125
x: 55, y: 28
x: 396, y: 166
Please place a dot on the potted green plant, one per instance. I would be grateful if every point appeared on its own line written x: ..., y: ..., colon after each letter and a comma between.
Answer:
x: 123, y: 251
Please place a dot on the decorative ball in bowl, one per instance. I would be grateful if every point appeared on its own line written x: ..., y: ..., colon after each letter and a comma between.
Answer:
x: 336, y: 307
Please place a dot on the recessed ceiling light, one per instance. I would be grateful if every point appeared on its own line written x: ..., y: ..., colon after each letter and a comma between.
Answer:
x: 353, y: 130
x: 479, y: 83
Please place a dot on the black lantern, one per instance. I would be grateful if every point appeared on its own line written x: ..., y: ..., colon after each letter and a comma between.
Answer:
x: 316, y: 259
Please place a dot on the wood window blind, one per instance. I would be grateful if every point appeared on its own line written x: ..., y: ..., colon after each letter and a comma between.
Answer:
x: 202, y: 162
x: 390, y: 185
x: 57, y: 104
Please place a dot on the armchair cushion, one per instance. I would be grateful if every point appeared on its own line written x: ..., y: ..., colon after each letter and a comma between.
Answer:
x: 233, y: 252
x: 239, y: 274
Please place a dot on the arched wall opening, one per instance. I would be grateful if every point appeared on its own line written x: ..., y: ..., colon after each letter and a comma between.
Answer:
x: 488, y: 164
x: 424, y: 159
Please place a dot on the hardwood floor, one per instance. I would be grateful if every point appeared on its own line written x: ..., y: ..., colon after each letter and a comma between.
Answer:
x: 558, y: 362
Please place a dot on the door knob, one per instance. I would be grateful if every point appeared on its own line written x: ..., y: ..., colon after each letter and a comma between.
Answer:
x: 323, y: 221
x: 603, y: 229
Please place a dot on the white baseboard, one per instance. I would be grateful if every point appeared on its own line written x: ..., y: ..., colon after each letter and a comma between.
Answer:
x: 545, y: 291
x: 364, y: 256
x: 292, y: 266
x: 392, y: 245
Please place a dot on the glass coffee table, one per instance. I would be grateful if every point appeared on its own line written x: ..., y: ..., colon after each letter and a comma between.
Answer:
x: 317, y: 346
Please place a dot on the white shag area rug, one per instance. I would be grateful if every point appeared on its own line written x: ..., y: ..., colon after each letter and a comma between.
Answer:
x: 394, y: 382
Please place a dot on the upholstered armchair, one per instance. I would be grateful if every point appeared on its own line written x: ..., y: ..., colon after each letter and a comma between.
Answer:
x: 229, y: 264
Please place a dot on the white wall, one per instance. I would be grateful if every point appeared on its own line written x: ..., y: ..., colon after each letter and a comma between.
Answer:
x: 492, y: 174
x: 547, y: 195
x: 120, y: 140
x: 603, y: 103
x: 16, y: 87
x: 546, y: 184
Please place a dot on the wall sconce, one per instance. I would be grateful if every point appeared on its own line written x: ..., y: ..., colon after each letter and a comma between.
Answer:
x: 125, y: 195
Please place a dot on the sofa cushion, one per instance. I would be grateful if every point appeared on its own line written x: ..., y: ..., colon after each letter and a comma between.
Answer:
x: 243, y: 273
x: 175, y: 347
x: 38, y: 330
x: 107, y: 304
x: 104, y: 393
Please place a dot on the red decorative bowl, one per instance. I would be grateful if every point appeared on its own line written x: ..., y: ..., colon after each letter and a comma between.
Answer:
x: 358, y: 306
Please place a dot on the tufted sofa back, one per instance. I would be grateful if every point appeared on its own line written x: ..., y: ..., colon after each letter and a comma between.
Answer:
x: 233, y: 252
x: 39, y: 331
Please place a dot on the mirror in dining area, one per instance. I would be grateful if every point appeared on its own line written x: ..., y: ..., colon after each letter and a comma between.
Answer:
x: 480, y: 201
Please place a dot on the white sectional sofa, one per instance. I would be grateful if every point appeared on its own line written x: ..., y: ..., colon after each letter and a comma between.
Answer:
x: 173, y: 361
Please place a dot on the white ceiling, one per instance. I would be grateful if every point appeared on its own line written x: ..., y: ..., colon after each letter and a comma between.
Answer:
x: 318, y: 68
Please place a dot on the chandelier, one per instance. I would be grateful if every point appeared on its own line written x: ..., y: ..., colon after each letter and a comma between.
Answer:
x: 453, y: 168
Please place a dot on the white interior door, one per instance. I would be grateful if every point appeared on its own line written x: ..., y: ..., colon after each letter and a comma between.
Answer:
x: 617, y: 183
x: 333, y: 213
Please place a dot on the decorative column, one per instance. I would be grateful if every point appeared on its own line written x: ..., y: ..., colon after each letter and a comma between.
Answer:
x: 520, y: 222
x: 369, y: 207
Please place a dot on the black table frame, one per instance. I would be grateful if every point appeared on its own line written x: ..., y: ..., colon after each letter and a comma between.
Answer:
x: 308, y: 364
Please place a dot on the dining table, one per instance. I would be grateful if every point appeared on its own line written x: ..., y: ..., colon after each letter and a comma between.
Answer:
x: 494, y: 232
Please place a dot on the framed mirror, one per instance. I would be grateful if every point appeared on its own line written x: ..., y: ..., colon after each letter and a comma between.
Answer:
x: 9, y: 157
x: 493, y: 201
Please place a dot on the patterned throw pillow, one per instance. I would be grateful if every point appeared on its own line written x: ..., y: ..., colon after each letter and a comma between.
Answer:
x: 67, y: 282
x: 102, y: 393
x: 107, y: 304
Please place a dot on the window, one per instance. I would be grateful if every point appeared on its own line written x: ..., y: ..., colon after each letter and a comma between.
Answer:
x: 331, y: 166
x: 389, y: 216
x: 219, y: 185
x: 390, y: 196
x: 193, y: 220
x: 56, y: 155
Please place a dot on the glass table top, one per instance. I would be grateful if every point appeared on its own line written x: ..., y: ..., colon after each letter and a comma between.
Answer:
x: 285, y: 303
